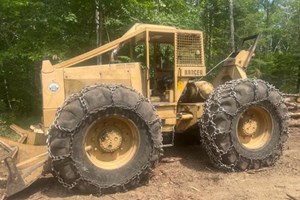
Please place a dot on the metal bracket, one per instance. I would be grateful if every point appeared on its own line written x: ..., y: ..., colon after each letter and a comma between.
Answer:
x: 168, y: 138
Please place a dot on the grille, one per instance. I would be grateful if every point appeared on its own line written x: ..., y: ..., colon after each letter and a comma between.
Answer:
x: 189, y: 50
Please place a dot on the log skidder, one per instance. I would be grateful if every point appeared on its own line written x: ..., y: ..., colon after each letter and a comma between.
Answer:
x: 106, y: 138
x: 244, y: 125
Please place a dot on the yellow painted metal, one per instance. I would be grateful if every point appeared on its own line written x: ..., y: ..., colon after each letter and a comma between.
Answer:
x: 135, y: 31
x: 195, y: 71
x: 178, y: 83
x: 52, y: 86
x: 229, y: 73
x: 239, y: 60
x: 25, y: 151
x: 188, y: 109
x: 25, y: 164
x: 128, y: 74
x: 53, y: 92
x: 254, y: 128
x: 234, y: 67
x: 63, y: 79
x: 111, y: 142
x: 184, y: 116
x: 98, y: 51
x: 28, y: 136
x: 72, y: 80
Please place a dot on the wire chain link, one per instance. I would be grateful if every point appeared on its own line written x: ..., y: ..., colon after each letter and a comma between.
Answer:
x: 157, y: 149
x: 208, y: 138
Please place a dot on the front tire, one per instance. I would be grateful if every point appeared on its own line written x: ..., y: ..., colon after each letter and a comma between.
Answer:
x: 244, y: 125
x: 105, y: 139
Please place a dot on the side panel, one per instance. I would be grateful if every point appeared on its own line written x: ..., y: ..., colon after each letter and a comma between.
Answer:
x: 228, y: 73
x: 167, y: 113
x: 128, y: 74
x: 53, y: 92
x: 66, y: 81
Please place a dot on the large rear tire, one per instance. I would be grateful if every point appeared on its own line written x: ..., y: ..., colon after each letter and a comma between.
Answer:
x: 244, y: 125
x: 105, y: 139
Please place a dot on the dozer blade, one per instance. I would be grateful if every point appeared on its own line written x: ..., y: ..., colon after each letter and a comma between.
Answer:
x: 18, y: 179
x: 30, y: 165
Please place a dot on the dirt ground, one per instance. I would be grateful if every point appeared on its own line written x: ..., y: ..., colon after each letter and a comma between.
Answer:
x: 185, y: 173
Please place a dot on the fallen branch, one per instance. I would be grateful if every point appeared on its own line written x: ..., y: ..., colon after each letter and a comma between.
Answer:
x: 291, y: 104
x: 294, y: 115
x: 194, y: 188
x: 288, y: 99
x: 291, y: 197
x: 294, y: 123
x: 257, y: 170
x: 290, y: 95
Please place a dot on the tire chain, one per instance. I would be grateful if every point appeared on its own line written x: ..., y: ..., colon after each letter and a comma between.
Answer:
x: 207, y: 139
x: 157, y: 150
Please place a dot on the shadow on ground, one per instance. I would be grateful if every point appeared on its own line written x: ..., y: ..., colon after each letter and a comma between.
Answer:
x: 187, y: 151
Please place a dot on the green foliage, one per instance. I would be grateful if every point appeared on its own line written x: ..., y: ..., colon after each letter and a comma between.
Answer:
x: 5, y: 120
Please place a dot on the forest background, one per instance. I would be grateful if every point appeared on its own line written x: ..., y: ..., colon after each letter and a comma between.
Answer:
x: 35, y: 30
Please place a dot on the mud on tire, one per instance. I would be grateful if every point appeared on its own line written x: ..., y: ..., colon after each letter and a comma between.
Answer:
x: 244, y: 125
x: 88, y: 145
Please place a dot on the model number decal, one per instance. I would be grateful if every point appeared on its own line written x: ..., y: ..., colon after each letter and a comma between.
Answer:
x: 192, y: 71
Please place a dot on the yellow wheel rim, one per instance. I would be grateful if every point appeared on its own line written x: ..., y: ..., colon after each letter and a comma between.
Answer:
x: 111, y: 142
x: 254, y: 128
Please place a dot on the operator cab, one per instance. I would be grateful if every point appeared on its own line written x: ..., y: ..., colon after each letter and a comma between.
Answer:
x: 161, y: 73
x: 169, y: 58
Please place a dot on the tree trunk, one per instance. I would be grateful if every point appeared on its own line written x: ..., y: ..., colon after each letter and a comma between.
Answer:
x: 231, y: 25
x: 294, y: 123
x: 209, y: 36
x: 7, y: 94
x: 5, y: 97
x: 298, y: 81
x: 99, y: 27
